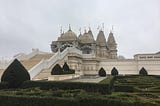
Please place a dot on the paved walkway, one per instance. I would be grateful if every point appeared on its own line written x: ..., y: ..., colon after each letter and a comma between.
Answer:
x: 87, y: 79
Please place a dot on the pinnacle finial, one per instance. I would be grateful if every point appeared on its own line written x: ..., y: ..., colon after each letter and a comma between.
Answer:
x: 89, y: 27
x: 98, y: 28
x: 80, y: 30
x: 61, y: 30
x: 112, y: 28
x: 85, y: 31
x: 69, y: 27
x: 103, y: 26
x: 111, y: 31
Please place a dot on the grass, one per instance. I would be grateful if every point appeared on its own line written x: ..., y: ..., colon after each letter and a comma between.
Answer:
x: 107, y: 80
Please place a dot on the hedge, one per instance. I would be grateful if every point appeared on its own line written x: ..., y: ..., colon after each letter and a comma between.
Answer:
x: 82, y: 100
x: 136, y: 83
x: 9, y: 100
x: 53, y: 85
x: 124, y: 88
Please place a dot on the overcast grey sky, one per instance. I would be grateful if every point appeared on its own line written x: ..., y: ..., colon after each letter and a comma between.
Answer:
x: 27, y: 24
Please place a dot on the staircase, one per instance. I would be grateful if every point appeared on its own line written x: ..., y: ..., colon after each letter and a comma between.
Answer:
x: 45, y: 73
x: 39, y: 65
x: 42, y: 70
x: 28, y: 64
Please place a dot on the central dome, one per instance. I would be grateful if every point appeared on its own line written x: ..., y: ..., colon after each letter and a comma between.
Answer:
x: 68, y: 36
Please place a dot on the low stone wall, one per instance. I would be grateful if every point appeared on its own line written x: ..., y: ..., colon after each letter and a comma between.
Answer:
x: 63, y: 77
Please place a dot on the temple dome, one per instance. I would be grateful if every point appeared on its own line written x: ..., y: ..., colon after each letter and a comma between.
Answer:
x: 101, y: 40
x: 68, y: 36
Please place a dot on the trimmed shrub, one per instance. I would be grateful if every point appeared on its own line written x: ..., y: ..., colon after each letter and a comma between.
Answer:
x: 57, y: 70
x: 3, y: 85
x: 102, y: 72
x: 15, y: 74
x: 73, y: 98
x: 143, y: 71
x: 66, y: 67
x: 67, y: 70
x: 82, y: 100
x: 114, y: 71
x: 71, y: 71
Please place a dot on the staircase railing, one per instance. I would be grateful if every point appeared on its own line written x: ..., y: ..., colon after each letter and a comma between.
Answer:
x: 44, y: 64
x: 37, y: 68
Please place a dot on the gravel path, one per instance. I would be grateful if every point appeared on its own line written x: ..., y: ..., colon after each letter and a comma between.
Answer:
x: 87, y: 79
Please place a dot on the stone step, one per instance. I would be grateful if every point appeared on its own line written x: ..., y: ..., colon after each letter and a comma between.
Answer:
x: 42, y: 75
x: 28, y: 64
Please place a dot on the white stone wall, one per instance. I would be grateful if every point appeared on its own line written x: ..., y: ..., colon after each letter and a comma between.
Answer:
x: 152, y: 67
x: 128, y: 66
x: 123, y: 66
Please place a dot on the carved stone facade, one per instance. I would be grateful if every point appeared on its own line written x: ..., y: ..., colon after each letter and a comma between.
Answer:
x: 87, y: 44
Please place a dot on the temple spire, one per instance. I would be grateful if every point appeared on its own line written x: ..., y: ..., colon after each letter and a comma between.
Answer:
x: 111, y: 31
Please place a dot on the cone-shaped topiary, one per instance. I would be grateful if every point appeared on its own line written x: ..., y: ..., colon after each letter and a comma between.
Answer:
x: 15, y: 74
x: 102, y: 72
x: 66, y: 67
x: 143, y: 71
x: 114, y: 71
x: 57, y: 70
